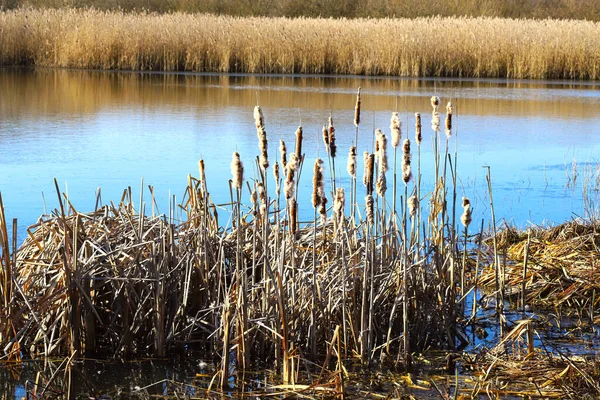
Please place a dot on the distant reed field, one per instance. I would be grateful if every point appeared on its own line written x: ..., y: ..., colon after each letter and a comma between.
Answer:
x: 450, y: 47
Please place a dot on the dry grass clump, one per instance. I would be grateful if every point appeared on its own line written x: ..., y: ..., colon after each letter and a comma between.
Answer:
x: 562, y: 264
x: 207, y: 43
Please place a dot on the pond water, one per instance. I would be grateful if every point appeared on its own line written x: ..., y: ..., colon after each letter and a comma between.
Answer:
x: 108, y: 130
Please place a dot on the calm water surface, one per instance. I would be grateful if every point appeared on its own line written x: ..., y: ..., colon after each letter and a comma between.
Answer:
x: 109, y: 130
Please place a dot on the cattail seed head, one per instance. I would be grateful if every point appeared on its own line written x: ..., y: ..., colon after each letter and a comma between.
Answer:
x: 370, y: 173
x: 406, y: 158
x: 369, y: 209
x: 413, y: 205
x: 283, y: 151
x: 292, y: 162
x: 237, y: 170
x: 357, y: 109
x: 466, y: 216
x: 331, y: 134
x: 396, y: 128
x: 277, y: 177
x: 338, y: 207
x: 318, y: 183
x: 293, y: 215
x: 323, y: 209
x: 435, y: 121
x: 382, y: 158
x: 418, y: 136
x: 449, y: 120
x: 326, y: 138
x: 352, y: 161
x: 289, y: 185
x: 381, y: 184
x: 259, y: 121
x: 299, y: 143
x: 435, y: 102
x: 202, y: 173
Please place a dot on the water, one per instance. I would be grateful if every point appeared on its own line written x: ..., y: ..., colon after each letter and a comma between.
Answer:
x: 109, y: 130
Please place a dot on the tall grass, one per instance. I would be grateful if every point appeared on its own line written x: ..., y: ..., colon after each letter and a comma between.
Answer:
x: 463, y: 47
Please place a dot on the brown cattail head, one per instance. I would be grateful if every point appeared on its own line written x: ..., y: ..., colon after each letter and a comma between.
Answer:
x: 370, y: 211
x: 292, y: 162
x: 332, y: 146
x: 435, y: 121
x: 202, y: 173
x: 260, y: 189
x: 254, y: 199
x: 323, y: 209
x: 382, y: 158
x: 326, y: 138
x: 263, y: 146
x: 289, y: 185
x: 283, y: 151
x: 449, y: 120
x: 338, y: 207
x: 370, y: 173
x: 352, y: 161
x: 318, y: 183
x: 237, y: 170
x: 277, y: 177
x: 357, y: 109
x: 293, y: 215
x: 381, y: 184
x: 466, y: 216
x: 418, y: 136
x: 413, y: 205
x: 406, y: 158
x: 396, y: 128
x: 299, y: 143
x: 435, y: 102
x: 259, y: 121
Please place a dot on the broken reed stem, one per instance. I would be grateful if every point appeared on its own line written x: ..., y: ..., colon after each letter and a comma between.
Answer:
x: 524, y: 283
x: 499, y: 289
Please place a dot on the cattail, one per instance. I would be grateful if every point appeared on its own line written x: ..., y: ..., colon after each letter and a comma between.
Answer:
x: 370, y: 211
x: 366, y: 168
x: 289, y: 186
x: 293, y: 162
x: 293, y: 215
x: 449, y: 119
x: 396, y: 128
x: 413, y: 205
x: 368, y: 172
x: 326, y: 138
x: 323, y: 209
x: 331, y: 134
x: 435, y: 121
x: 277, y: 178
x: 283, y: 151
x: 263, y: 145
x: 418, y: 136
x: 299, y: 143
x: 237, y: 170
x: 338, y: 207
x: 260, y: 188
x: 466, y: 216
x: 318, y: 183
x: 435, y: 102
x: 352, y: 161
x: 406, y: 172
x: 381, y: 184
x: 382, y: 158
x: 202, y: 173
x: 258, y: 118
x: 357, y: 109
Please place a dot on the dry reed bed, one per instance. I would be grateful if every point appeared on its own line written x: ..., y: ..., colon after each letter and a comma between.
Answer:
x: 465, y: 47
x: 562, y: 264
x: 376, y: 280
